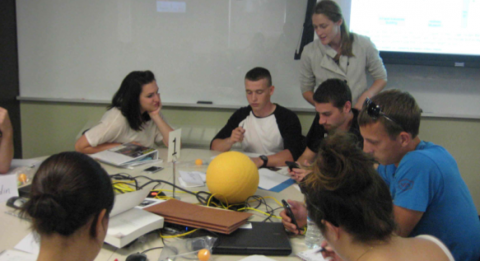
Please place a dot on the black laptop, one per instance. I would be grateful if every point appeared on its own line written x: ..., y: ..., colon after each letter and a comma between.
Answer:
x: 265, y: 238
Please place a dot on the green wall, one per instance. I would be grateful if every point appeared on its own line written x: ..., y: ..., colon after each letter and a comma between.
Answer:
x: 48, y: 128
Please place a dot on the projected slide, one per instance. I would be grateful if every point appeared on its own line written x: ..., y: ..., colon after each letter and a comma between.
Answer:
x: 424, y: 26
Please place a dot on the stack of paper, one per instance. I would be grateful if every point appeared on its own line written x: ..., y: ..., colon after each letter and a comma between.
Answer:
x: 186, y: 214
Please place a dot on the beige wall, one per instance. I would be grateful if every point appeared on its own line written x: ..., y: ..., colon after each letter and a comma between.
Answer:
x: 48, y: 128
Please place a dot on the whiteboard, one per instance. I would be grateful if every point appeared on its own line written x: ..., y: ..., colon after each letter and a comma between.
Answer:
x: 197, y: 49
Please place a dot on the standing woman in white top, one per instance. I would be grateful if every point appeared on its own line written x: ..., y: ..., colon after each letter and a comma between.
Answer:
x: 134, y: 116
x: 352, y: 206
x: 337, y: 53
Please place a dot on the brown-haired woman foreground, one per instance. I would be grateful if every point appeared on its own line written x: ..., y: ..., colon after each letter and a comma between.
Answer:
x: 70, y: 201
x: 352, y: 206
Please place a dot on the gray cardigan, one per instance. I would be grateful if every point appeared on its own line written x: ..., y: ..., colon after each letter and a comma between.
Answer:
x: 317, y: 65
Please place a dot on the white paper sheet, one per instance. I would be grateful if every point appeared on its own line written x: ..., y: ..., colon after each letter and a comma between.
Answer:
x: 8, y: 187
x: 127, y: 201
x: 14, y: 255
x: 270, y: 179
x: 29, y: 244
x: 24, y: 163
x: 246, y: 226
x: 192, y: 178
x: 311, y: 255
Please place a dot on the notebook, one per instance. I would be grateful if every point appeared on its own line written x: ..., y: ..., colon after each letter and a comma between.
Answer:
x: 264, y: 238
x: 187, y: 214
x: 127, y: 155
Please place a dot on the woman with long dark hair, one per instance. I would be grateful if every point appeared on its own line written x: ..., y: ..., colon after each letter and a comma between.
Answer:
x: 134, y: 116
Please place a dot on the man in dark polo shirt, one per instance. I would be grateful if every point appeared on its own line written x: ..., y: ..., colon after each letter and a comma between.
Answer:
x: 333, y: 103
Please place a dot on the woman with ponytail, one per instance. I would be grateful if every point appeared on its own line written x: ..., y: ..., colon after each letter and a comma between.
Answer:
x: 338, y: 53
x: 71, y: 198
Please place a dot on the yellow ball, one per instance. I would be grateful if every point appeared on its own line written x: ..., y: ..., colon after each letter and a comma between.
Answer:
x: 232, y: 176
x: 198, y: 162
x: 203, y: 255
x: 22, y: 178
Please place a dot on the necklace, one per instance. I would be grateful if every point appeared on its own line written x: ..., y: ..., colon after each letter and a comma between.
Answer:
x: 364, y: 253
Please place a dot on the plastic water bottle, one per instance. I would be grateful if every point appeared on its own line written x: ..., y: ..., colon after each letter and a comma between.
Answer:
x: 313, y: 237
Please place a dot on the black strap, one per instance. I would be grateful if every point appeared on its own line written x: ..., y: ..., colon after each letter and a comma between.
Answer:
x: 307, y: 35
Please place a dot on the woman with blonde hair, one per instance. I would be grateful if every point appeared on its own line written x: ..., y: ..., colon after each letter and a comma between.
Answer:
x: 338, y: 53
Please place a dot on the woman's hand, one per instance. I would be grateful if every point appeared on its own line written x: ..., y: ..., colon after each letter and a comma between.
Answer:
x: 156, y: 112
x: 298, y: 173
x: 300, y: 212
x: 329, y: 254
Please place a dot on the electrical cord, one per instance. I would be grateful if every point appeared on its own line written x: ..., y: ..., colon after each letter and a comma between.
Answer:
x: 150, y: 249
x: 204, y: 198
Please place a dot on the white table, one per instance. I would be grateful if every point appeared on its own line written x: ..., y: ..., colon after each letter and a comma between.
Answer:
x: 14, y: 229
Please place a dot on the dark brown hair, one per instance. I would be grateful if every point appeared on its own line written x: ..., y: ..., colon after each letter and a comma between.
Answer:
x: 127, y: 98
x: 345, y: 190
x: 67, y: 191
x: 399, y: 106
x: 332, y: 11
x: 258, y: 73
x: 334, y: 91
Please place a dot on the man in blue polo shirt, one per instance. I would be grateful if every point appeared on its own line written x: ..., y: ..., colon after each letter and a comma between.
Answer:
x: 429, y: 194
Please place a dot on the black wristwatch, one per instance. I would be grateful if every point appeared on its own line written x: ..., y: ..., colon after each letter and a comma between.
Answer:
x: 265, y: 161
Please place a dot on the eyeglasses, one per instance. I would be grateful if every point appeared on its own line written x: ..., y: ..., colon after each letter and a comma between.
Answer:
x: 375, y: 111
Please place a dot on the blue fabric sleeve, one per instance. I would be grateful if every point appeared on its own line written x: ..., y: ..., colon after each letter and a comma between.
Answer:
x: 416, y: 182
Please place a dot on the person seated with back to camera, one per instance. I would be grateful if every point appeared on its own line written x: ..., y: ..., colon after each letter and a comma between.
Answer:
x: 70, y: 202
x: 134, y: 116
x: 429, y: 194
x: 262, y: 127
x: 6, y: 141
x: 333, y: 104
x: 351, y: 205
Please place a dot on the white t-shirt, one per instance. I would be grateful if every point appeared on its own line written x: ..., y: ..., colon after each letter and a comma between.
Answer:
x: 268, y: 135
x: 261, y: 135
x: 114, y: 128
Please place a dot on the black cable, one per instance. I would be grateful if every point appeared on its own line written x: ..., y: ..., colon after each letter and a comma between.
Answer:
x: 141, y: 176
x: 150, y: 249
x: 125, y: 176
x: 202, y: 196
